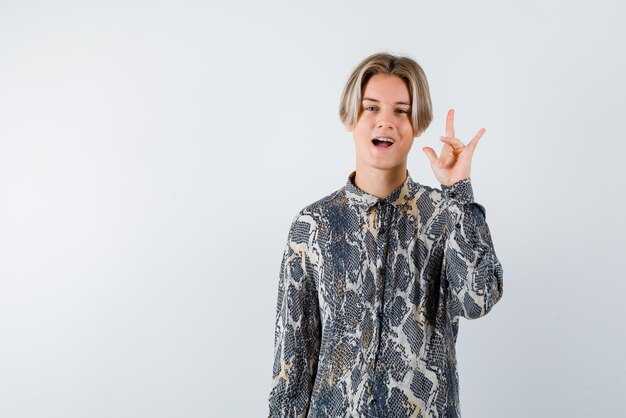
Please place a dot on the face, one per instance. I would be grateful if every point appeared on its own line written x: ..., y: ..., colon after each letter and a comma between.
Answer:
x: 386, y: 113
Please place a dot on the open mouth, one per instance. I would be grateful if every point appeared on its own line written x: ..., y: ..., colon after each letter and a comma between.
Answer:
x: 382, y: 143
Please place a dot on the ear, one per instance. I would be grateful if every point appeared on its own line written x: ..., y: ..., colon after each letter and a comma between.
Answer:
x: 349, y: 128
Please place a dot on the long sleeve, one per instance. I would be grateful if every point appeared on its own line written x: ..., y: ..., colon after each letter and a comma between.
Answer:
x: 298, y: 333
x: 471, y: 269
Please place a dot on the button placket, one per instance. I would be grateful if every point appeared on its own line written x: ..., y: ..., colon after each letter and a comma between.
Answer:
x: 379, y: 224
x: 383, y: 213
x: 381, y: 255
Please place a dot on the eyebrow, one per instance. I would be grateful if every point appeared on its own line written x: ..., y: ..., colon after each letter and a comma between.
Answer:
x: 374, y: 100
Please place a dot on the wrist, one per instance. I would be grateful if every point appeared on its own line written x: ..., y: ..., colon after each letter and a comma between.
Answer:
x: 460, y: 191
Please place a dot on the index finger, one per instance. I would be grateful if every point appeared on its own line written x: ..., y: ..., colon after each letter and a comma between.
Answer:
x: 450, y: 124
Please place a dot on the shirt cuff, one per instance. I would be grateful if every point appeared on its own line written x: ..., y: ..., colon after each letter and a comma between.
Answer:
x: 459, y: 192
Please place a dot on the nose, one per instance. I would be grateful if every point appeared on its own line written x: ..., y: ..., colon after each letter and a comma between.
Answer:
x: 384, y: 121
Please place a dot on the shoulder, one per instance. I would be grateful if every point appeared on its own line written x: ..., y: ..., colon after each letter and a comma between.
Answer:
x: 320, y: 206
x: 427, y: 199
x: 312, y: 216
x: 459, y: 192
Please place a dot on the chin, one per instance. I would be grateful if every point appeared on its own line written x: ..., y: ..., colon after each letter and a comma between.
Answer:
x: 386, y: 165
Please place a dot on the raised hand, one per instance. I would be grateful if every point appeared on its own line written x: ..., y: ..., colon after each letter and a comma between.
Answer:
x: 455, y: 160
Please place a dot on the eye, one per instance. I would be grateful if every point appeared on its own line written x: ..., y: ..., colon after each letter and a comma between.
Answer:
x: 402, y: 111
x: 369, y: 107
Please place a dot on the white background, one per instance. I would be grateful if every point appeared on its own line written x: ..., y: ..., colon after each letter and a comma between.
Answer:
x: 154, y: 153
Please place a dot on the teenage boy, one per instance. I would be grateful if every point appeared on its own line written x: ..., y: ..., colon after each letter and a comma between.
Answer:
x: 376, y: 275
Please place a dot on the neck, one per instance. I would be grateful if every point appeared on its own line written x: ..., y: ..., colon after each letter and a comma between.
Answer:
x: 379, y: 182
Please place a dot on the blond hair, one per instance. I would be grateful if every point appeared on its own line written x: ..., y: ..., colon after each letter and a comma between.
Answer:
x: 384, y: 63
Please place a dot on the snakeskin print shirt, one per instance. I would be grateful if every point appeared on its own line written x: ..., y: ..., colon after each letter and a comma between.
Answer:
x: 369, y: 299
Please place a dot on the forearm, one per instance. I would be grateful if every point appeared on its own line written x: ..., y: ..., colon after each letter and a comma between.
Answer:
x: 471, y: 268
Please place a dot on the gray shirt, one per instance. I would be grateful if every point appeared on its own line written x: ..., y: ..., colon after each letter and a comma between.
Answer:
x: 369, y: 299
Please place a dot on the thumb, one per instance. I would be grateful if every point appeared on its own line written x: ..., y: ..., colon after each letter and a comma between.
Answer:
x: 430, y: 153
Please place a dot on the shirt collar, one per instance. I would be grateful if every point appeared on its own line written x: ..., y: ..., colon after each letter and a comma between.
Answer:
x: 400, y: 196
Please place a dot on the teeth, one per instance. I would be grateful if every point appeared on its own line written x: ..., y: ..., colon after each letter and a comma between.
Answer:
x: 382, y: 138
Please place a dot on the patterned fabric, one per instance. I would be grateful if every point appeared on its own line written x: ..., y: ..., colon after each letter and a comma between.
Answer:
x: 369, y: 299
